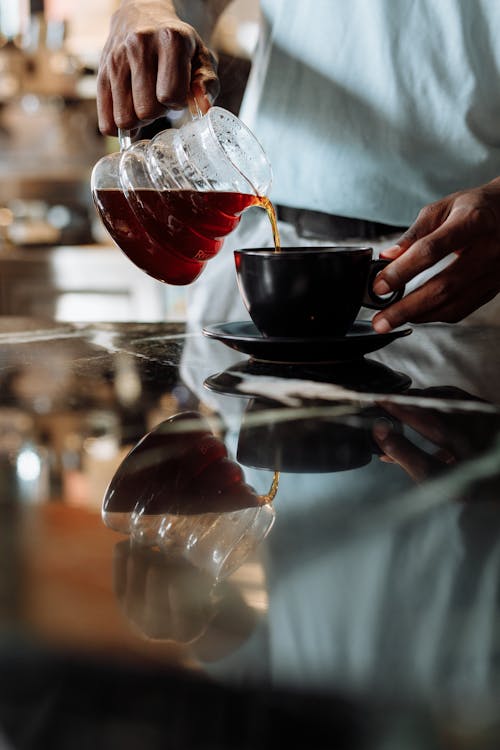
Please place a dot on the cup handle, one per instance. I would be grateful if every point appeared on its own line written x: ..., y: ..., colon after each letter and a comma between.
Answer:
x: 372, y: 300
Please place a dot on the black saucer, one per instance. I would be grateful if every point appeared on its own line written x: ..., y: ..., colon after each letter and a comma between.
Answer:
x: 364, y: 375
x: 244, y: 337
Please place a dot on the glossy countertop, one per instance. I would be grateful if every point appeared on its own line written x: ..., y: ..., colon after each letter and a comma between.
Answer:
x: 185, y: 530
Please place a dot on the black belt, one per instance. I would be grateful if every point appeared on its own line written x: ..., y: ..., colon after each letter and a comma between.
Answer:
x: 318, y: 225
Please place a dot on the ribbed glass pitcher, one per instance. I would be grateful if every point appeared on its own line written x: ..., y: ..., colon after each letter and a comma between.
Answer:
x: 169, y: 202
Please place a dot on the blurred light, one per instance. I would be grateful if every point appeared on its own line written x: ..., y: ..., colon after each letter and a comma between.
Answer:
x: 28, y: 465
x: 59, y: 216
x: 6, y: 217
x: 30, y: 103
x: 102, y: 448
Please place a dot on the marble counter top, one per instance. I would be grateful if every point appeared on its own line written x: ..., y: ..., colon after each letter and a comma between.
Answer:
x: 176, y: 515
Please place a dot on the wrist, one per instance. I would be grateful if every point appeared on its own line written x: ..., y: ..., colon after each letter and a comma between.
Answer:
x: 164, y: 6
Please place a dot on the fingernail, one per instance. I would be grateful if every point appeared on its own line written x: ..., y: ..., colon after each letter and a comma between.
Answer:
x: 381, y: 287
x: 382, y: 325
x: 391, y: 251
x: 381, y: 429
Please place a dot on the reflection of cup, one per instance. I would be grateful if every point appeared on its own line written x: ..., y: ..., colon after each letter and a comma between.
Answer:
x: 312, y: 291
x: 168, y: 203
x: 322, y: 444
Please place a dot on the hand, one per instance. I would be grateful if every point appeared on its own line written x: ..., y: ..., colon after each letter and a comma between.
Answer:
x: 152, y: 61
x: 456, y: 437
x: 466, y: 223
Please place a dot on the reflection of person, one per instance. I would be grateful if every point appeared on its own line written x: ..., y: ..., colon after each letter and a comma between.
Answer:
x: 368, y: 111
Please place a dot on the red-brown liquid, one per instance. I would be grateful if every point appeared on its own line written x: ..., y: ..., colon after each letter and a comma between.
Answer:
x: 170, y: 234
x: 182, y: 473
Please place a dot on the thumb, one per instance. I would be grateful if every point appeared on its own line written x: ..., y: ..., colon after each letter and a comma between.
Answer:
x: 205, y: 84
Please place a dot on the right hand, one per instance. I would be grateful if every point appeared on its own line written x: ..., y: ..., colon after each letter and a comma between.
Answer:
x: 151, y: 62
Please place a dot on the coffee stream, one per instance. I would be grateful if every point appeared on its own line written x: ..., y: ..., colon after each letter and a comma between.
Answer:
x: 272, y: 491
x: 271, y: 212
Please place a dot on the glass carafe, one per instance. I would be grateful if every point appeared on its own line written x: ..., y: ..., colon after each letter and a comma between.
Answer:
x: 169, y: 202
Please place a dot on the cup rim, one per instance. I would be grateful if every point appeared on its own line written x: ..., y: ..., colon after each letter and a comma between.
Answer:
x: 269, y: 252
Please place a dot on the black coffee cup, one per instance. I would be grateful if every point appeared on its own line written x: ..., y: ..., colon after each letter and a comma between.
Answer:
x: 308, y: 291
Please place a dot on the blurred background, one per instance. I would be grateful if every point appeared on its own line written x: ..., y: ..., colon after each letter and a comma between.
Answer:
x: 56, y: 260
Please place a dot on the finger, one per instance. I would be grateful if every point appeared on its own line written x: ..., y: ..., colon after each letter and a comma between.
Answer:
x: 458, y: 230
x: 124, y: 115
x: 392, y: 252
x: 415, y: 462
x: 427, y: 221
x: 105, y: 106
x: 427, y: 423
x: 203, y: 101
x: 449, y: 296
x: 419, y: 307
x: 204, y: 74
x: 146, y: 105
x: 175, y: 52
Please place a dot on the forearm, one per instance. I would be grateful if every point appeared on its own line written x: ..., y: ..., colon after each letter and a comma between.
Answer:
x: 201, y: 14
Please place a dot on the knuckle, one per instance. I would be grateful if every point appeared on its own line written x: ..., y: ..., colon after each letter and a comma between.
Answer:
x: 106, y: 126
x: 476, y: 214
x: 395, y: 315
x: 428, y: 252
x: 137, y: 43
x: 441, y: 290
x: 425, y: 212
x: 102, y: 83
x: 430, y: 212
x: 118, y: 60
x: 178, y: 40
x: 124, y: 120
x: 482, y: 217
x: 393, y: 276
x: 171, y: 95
x: 147, y: 110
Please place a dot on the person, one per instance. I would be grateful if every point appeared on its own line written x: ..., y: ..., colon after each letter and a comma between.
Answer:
x: 380, y: 119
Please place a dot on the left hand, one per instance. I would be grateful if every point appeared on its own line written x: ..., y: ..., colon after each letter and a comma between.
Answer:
x: 466, y: 223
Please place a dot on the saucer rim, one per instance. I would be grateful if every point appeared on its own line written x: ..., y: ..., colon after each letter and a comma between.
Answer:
x: 215, y: 330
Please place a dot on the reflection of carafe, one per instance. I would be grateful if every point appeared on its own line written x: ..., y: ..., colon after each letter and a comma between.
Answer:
x: 177, y: 490
x: 168, y: 203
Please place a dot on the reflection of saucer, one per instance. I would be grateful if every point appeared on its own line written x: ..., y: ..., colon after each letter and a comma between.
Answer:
x: 244, y: 337
x: 362, y: 375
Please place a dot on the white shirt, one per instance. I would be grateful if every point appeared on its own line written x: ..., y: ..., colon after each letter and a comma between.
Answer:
x: 374, y: 108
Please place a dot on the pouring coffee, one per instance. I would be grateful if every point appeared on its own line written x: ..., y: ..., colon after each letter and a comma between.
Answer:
x: 169, y: 202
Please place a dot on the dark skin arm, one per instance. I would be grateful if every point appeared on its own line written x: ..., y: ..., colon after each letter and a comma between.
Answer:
x: 466, y: 223
x: 154, y: 60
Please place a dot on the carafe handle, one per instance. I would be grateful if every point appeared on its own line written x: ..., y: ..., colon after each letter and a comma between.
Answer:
x: 194, y: 107
x: 125, y: 138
